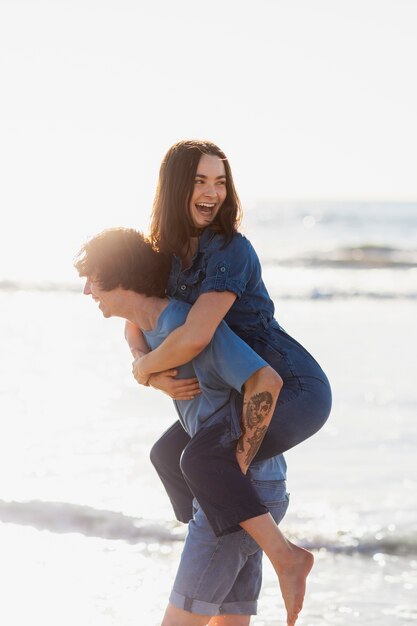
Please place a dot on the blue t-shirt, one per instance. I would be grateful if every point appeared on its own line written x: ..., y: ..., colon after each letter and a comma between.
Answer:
x: 233, y: 267
x: 222, y: 368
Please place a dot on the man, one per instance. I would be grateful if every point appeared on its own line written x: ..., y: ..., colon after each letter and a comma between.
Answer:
x: 218, y: 575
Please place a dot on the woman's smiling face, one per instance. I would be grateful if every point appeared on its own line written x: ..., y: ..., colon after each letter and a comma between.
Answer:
x: 209, y: 191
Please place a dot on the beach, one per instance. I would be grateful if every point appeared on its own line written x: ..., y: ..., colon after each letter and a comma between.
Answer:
x: 87, y: 532
x: 314, y: 106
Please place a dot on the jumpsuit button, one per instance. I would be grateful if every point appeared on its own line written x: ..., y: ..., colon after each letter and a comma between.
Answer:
x: 222, y: 269
x: 183, y: 287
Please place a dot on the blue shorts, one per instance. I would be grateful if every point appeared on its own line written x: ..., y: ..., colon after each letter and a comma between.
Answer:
x: 223, y: 575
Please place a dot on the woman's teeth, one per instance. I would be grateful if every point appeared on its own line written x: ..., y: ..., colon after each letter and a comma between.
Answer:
x: 205, y: 206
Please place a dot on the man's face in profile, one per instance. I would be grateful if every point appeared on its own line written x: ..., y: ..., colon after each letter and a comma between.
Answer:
x: 104, y: 298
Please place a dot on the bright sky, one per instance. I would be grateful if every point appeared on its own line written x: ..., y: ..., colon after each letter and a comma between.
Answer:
x: 309, y: 98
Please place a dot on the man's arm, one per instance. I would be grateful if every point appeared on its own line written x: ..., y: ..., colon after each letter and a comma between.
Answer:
x: 260, y: 396
x: 135, y: 340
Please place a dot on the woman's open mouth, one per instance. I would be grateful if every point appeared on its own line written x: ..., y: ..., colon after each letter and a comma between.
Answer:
x: 206, y: 208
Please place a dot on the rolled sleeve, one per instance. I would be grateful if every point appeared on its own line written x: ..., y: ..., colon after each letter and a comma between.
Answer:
x: 229, y: 268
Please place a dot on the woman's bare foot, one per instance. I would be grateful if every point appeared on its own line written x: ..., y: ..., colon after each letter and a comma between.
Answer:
x: 291, y: 563
x: 292, y: 575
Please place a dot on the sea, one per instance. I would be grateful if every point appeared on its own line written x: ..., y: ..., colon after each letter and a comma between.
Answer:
x: 87, y: 534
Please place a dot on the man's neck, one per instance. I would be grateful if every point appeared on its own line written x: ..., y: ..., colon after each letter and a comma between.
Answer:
x: 144, y: 311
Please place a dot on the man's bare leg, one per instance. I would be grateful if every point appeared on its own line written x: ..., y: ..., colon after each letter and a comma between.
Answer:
x: 229, y: 620
x: 291, y: 563
x: 178, y: 617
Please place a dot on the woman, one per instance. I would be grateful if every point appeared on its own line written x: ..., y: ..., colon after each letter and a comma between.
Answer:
x: 195, y: 218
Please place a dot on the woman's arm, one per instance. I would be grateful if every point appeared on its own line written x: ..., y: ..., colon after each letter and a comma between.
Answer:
x: 177, y: 389
x: 188, y: 340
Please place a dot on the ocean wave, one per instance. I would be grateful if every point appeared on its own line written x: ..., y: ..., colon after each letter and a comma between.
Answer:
x: 335, y: 292
x: 63, y: 517
x: 385, y: 542
x: 339, y: 273
x: 344, y: 294
x: 277, y: 291
x: 366, y: 256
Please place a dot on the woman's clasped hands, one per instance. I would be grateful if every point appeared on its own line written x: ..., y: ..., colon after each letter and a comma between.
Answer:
x: 166, y: 381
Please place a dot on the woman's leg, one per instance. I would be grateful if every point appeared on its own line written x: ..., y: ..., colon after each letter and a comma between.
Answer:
x: 210, y: 467
x: 303, y: 407
x: 297, y: 416
x: 292, y: 564
x: 230, y: 502
x: 165, y: 456
x: 305, y: 400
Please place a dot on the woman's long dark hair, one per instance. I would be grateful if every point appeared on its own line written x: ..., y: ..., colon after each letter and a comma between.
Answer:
x: 171, y: 224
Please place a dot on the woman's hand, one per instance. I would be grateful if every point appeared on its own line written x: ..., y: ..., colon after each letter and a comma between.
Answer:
x: 175, y: 388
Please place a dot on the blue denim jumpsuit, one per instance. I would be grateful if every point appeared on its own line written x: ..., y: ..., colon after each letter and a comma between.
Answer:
x: 303, y: 405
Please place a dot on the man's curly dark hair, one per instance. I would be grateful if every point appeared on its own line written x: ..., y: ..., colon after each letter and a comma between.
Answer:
x: 124, y: 257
